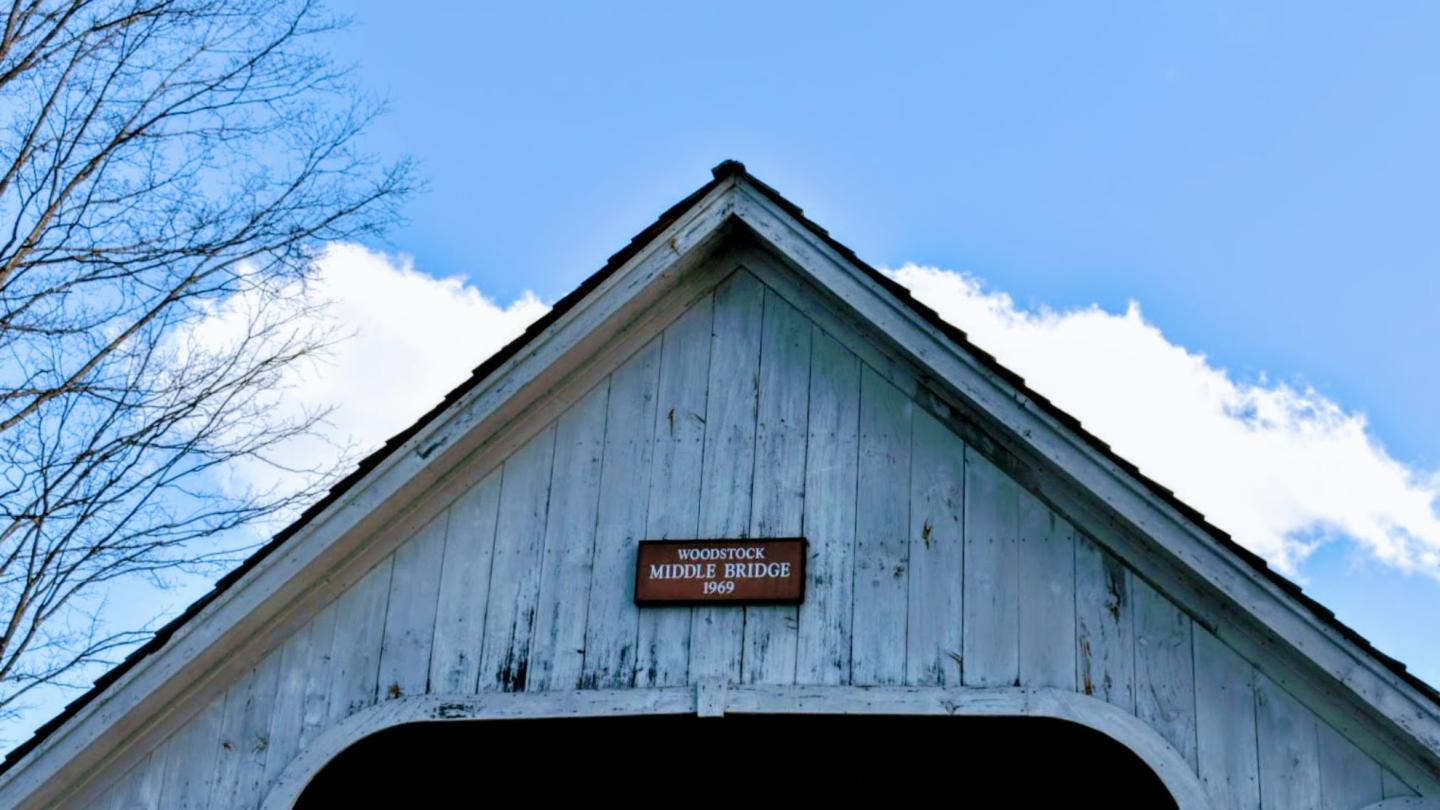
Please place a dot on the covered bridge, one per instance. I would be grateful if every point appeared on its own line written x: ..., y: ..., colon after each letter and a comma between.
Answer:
x: 981, y: 596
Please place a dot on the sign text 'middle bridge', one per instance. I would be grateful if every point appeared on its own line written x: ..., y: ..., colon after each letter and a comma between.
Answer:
x: 769, y: 571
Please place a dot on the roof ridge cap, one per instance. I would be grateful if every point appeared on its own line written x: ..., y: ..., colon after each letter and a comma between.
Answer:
x: 728, y: 168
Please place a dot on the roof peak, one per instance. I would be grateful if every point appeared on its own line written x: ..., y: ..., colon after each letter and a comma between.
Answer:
x: 726, y: 168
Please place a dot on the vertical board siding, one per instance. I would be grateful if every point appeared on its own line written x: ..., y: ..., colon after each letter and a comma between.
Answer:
x: 612, y: 623
x: 557, y: 655
x: 882, y: 530
x: 778, y: 506
x: 1289, y: 755
x: 1047, y: 597
x: 140, y: 789
x: 117, y: 796
x: 663, y: 645
x: 937, y: 552
x: 1104, y: 625
x: 355, y: 653
x: 831, y: 471
x: 1164, y: 669
x: 231, y: 743
x: 239, y: 781
x: 1349, y: 779
x: 464, y: 588
x: 992, y: 579
x: 190, y: 763
x: 410, y: 616
x: 515, y: 566
x: 1229, y: 763
x: 315, y: 694
x: 288, y: 712
x: 729, y: 460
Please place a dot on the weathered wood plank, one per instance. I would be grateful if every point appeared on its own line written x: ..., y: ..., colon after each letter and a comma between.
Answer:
x: 1349, y: 780
x: 1289, y: 759
x: 113, y: 797
x: 882, y: 530
x: 245, y: 781
x: 140, y: 789
x: 1164, y: 669
x: 992, y: 575
x: 227, y: 758
x: 557, y: 655
x: 934, y: 638
x: 1104, y: 625
x: 355, y: 652
x: 716, y: 634
x: 289, y: 708
x: 410, y: 617
x: 464, y: 588
x: 663, y: 644
x: 612, y: 623
x: 117, y: 796
x: 1047, y: 596
x: 315, y: 708
x: 515, y: 564
x: 778, y: 505
x: 1229, y: 764
x: 831, y: 471
x: 190, y: 759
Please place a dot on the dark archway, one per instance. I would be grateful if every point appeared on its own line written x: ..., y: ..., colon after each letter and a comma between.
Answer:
x: 745, y: 760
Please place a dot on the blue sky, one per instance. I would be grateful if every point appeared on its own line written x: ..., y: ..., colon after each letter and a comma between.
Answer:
x: 1261, y: 182
x: 1263, y: 179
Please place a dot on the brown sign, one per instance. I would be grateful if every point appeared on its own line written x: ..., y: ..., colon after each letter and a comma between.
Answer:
x: 770, y: 571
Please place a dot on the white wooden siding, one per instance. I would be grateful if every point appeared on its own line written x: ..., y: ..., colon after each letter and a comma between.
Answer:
x: 663, y: 648
x: 612, y: 623
x: 1104, y: 625
x: 991, y: 656
x: 778, y: 506
x: 1229, y: 763
x: 831, y: 470
x: 728, y: 465
x: 464, y: 588
x: 557, y: 656
x: 882, y: 530
x: 748, y: 416
x: 1164, y: 669
x: 933, y: 637
x: 410, y: 612
x: 1047, y: 598
x: 515, y: 566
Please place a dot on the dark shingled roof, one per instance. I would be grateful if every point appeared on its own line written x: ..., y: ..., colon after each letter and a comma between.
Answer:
x: 720, y: 173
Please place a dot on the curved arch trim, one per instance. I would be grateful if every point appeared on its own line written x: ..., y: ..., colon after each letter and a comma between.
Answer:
x: 716, y: 699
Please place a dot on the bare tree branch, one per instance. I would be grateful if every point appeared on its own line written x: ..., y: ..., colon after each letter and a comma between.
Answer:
x: 160, y: 161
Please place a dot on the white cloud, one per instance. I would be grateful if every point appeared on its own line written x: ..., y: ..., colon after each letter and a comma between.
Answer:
x: 414, y: 337
x: 1283, y: 469
x: 404, y: 340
